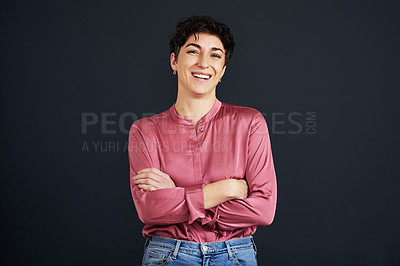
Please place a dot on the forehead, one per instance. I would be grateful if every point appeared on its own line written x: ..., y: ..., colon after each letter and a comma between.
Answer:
x: 205, y: 40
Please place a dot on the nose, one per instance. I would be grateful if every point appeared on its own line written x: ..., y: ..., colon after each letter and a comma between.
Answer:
x: 203, y: 61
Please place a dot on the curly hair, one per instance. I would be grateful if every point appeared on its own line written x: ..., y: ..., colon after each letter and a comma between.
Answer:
x: 201, y: 24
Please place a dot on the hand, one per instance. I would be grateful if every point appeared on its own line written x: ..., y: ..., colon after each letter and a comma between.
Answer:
x: 242, y: 189
x: 151, y: 179
x: 224, y: 190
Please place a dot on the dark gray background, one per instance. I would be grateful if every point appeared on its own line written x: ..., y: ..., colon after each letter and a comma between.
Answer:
x: 338, y: 201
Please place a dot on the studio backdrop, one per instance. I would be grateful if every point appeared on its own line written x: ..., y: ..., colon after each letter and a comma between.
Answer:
x: 76, y: 74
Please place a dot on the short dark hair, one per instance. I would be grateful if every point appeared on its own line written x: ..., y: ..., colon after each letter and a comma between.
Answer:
x: 201, y: 24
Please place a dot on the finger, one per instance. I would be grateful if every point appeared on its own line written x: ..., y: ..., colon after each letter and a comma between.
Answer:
x: 154, y: 170
x: 147, y: 181
x: 157, y: 171
x: 147, y: 187
x: 148, y: 175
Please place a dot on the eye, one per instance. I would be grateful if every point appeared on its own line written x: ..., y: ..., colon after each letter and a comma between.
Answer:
x: 215, y: 55
x: 192, y: 52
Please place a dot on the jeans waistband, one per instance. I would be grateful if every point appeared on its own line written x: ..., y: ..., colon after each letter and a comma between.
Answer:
x: 206, y: 248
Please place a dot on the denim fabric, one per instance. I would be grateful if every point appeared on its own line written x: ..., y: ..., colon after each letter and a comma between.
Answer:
x: 168, y: 251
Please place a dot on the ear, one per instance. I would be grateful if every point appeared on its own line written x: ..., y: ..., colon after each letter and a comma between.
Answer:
x: 173, y: 62
x: 223, y: 72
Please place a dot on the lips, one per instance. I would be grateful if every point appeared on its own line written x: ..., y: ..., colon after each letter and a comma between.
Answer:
x: 200, y: 75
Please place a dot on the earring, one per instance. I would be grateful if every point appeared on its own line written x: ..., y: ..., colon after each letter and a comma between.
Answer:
x: 220, y: 80
x: 174, y: 72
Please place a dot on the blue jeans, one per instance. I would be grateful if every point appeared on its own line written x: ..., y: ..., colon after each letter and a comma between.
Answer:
x: 168, y: 251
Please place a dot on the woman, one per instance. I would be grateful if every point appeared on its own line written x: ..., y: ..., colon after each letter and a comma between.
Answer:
x: 202, y: 174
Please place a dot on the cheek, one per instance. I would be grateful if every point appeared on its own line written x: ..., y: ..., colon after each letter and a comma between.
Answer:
x: 184, y: 65
x: 219, y: 68
x: 220, y: 71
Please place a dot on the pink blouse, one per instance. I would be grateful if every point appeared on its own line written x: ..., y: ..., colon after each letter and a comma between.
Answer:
x: 231, y: 142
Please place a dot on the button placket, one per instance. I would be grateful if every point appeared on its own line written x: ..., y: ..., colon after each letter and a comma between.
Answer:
x: 201, y: 125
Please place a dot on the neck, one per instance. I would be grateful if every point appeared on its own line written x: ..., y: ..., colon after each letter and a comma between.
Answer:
x: 194, y: 107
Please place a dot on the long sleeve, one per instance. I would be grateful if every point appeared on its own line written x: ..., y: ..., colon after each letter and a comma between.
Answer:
x: 259, y: 207
x: 162, y: 206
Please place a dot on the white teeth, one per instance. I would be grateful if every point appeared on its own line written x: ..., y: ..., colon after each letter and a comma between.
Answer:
x: 201, y: 76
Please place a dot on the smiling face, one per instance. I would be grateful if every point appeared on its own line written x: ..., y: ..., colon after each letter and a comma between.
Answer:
x: 200, y: 65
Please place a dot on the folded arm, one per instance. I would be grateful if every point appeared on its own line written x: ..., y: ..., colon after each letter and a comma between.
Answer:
x: 259, y: 207
x: 159, y: 201
x: 227, y: 204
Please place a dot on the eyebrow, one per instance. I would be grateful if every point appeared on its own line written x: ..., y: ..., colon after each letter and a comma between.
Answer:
x: 199, y: 47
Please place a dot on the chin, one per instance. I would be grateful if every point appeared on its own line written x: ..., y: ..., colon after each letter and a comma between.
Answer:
x: 201, y: 92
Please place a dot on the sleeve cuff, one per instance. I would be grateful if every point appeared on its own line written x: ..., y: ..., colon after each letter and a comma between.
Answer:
x: 210, y: 220
x: 195, y: 202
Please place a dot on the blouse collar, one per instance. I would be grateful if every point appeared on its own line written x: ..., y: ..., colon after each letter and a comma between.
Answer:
x: 187, y: 121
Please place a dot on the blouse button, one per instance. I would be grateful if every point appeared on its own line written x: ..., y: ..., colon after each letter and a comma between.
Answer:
x: 201, y: 129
